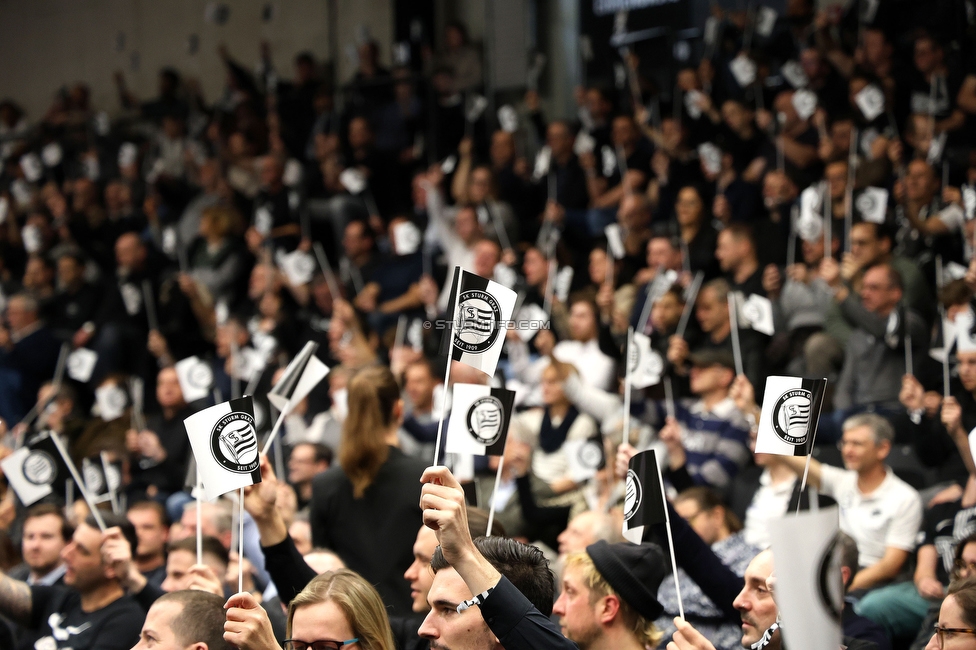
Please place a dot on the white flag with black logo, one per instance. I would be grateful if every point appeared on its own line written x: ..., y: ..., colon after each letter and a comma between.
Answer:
x: 196, y: 378
x: 644, y: 503
x: 871, y: 101
x: 765, y: 21
x: 479, y: 311
x: 646, y: 364
x: 615, y: 241
x: 301, y: 375
x: 479, y: 420
x: 584, y: 457
x: 111, y: 401
x: 96, y: 482
x: 81, y: 363
x: 36, y: 470
x: 225, y: 446
x: 790, y: 413
x: 872, y: 204
x: 809, y: 590
x: 755, y: 312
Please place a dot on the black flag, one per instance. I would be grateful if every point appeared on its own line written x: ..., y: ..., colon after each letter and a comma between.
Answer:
x: 644, y: 503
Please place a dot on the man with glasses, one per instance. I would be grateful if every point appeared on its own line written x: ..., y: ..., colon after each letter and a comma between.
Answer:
x: 874, y: 360
x: 879, y: 510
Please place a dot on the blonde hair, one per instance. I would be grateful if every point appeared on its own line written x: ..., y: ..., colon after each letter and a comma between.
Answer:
x: 644, y: 630
x: 360, y: 604
x: 373, y: 394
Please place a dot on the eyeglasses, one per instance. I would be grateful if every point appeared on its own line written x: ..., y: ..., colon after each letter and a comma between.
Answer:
x: 941, y: 632
x: 293, y: 644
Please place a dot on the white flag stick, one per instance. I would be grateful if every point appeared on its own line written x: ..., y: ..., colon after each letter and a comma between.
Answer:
x: 611, y: 263
x: 235, y: 378
x: 690, y: 303
x: 69, y: 495
x: 945, y: 357
x: 279, y: 458
x: 734, y: 327
x: 909, y: 369
x: 496, y: 221
x: 77, y: 477
x: 330, y: 278
x: 685, y: 255
x: 147, y: 297
x: 240, y: 542
x: 849, y: 192
x: 447, y: 371
x: 551, y: 185
x: 494, y: 494
x: 199, y: 520
x: 667, y: 524
x: 828, y: 224
x: 630, y: 347
x: 550, y: 287
x: 668, y: 397
x: 646, y: 309
x: 401, y: 332
x: 274, y: 429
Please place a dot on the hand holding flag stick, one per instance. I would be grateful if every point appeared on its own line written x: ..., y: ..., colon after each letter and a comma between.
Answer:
x: 645, y: 505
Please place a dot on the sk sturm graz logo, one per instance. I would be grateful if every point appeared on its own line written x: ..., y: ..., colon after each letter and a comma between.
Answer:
x: 200, y: 375
x: 485, y: 420
x: 590, y: 454
x: 632, y: 496
x: 94, y: 480
x: 791, y: 416
x: 234, y: 443
x: 39, y: 468
x: 478, y: 318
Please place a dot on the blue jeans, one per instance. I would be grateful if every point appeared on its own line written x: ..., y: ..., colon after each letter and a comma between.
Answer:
x: 898, y: 608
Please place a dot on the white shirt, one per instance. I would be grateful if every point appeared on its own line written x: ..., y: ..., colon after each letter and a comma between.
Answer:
x: 550, y: 466
x: 769, y: 502
x: 889, y: 517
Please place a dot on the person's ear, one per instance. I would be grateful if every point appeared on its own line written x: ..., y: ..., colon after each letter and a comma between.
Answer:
x: 608, y: 609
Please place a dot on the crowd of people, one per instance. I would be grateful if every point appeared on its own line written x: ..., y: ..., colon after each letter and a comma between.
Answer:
x: 801, y: 202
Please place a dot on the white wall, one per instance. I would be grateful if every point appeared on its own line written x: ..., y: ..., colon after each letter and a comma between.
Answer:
x: 47, y: 43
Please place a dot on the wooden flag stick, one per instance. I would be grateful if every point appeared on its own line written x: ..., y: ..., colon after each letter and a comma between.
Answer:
x: 494, y: 494
x: 734, y: 326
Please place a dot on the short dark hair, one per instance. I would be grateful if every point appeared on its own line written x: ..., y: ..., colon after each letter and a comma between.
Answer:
x: 478, y: 524
x: 209, y: 544
x: 44, y: 509
x: 894, y: 277
x: 206, y: 625
x: 525, y: 567
x: 112, y: 520
x: 155, y: 506
x: 323, y: 453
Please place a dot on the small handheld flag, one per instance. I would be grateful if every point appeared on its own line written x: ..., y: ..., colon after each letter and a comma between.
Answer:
x: 646, y: 364
x: 790, y: 413
x: 196, y: 378
x: 36, y: 470
x: 480, y: 416
x: 809, y: 591
x: 480, y: 309
x: 644, y: 503
x: 584, y: 457
x: 301, y: 375
x: 225, y: 446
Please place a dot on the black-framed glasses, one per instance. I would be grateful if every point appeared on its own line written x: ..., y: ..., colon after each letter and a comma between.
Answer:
x: 941, y: 632
x: 294, y: 644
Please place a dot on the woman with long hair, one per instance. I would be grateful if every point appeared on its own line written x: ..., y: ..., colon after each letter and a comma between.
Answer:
x: 367, y: 508
x: 337, y: 610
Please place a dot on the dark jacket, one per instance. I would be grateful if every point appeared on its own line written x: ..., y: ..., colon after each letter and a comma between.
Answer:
x: 373, y: 535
